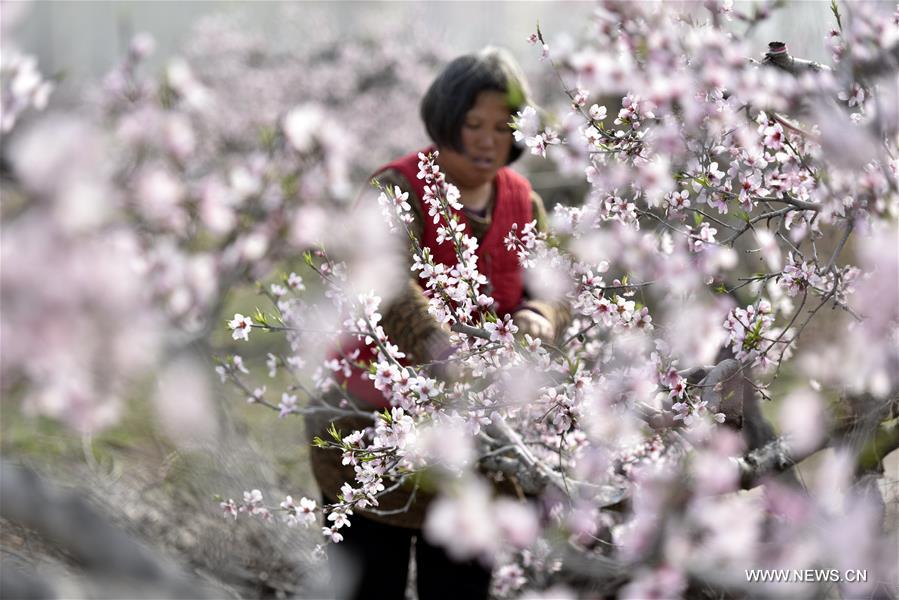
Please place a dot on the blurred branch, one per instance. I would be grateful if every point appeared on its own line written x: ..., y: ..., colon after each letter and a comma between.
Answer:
x: 720, y: 397
x: 470, y: 331
x: 778, y: 456
x: 532, y: 474
x: 775, y: 457
x: 795, y: 128
x: 778, y: 56
x: 885, y: 63
x: 884, y: 441
x: 847, y: 230
x: 720, y: 389
x: 505, y: 434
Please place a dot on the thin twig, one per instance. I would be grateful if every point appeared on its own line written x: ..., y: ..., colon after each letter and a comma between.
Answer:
x: 850, y: 223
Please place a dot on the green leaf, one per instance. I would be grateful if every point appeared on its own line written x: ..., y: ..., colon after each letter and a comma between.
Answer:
x: 267, y: 137
x: 290, y: 185
x: 259, y: 317
x: 515, y: 95
x: 167, y: 94
x: 752, y: 339
x: 835, y: 9
x: 697, y: 219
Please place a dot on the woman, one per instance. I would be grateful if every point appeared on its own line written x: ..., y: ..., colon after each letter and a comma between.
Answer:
x: 466, y: 111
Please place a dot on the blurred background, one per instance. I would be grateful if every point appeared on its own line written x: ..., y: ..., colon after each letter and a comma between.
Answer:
x: 78, y: 42
x: 144, y: 479
x: 84, y: 39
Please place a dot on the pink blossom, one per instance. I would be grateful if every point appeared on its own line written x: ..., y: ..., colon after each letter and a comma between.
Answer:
x: 517, y: 522
x: 463, y: 523
x: 804, y: 420
x: 230, y: 508
x: 502, y: 331
x: 335, y: 536
x: 257, y: 395
x: 184, y: 405
x: 598, y: 113
x: 287, y: 405
x: 665, y: 582
x: 240, y: 327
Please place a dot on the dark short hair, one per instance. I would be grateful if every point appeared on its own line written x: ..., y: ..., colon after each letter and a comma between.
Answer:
x: 455, y: 90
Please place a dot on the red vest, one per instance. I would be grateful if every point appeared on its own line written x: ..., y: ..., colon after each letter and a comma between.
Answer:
x: 512, y: 204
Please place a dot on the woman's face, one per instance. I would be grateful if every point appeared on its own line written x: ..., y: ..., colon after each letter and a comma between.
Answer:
x: 486, y: 142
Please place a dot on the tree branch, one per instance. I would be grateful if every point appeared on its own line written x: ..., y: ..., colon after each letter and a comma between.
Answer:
x: 470, y: 331
x: 846, y: 232
x: 778, y: 456
x: 885, y: 63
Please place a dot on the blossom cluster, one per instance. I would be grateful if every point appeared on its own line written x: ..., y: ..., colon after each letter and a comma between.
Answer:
x: 751, y: 333
x: 78, y: 326
x: 302, y: 513
x: 526, y: 125
x: 21, y: 87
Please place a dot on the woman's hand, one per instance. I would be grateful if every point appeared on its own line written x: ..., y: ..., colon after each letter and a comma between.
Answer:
x: 533, y: 323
